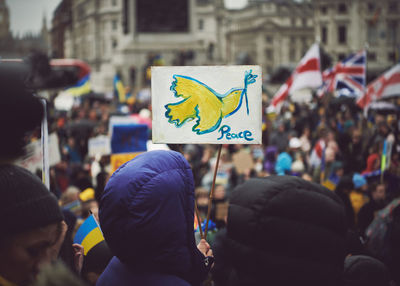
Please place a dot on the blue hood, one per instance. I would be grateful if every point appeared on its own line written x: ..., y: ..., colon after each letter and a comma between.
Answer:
x: 283, y: 163
x: 146, y: 213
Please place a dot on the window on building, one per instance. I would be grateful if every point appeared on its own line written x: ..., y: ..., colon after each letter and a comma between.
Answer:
x: 292, y: 40
x: 391, y: 57
x: 202, y: 2
x: 371, y: 7
x: 104, y: 46
x: 304, y: 22
x: 372, y: 33
x: 269, y: 54
x: 269, y: 39
x: 114, y: 44
x: 293, y: 21
x: 201, y: 24
x: 114, y: 2
x: 371, y: 56
x: 324, y: 35
x: 391, y: 31
x: 292, y: 54
x: 342, y: 8
x: 304, y: 46
x: 210, y: 51
x: 114, y: 25
x: 125, y: 16
x: 342, y: 34
x: 341, y: 57
x: 81, y: 11
x: 393, y: 7
x: 156, y: 16
x: 324, y: 10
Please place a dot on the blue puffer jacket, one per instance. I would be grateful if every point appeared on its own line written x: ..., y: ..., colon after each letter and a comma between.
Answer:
x: 146, y: 215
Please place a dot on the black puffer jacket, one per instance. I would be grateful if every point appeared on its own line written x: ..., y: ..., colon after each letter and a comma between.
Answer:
x: 361, y: 270
x: 281, y: 231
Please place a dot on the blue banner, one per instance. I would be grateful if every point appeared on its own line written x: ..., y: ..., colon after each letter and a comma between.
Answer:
x: 128, y: 138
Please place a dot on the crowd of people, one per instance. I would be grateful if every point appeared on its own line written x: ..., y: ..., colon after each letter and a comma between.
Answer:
x: 315, y: 204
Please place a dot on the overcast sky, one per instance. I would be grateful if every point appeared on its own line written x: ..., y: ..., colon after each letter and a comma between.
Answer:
x: 26, y: 15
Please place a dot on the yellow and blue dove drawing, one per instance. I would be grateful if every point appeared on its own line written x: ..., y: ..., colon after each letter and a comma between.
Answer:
x: 204, y: 104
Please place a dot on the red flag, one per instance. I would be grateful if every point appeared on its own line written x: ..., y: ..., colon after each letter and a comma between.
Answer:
x: 306, y: 74
x: 386, y: 85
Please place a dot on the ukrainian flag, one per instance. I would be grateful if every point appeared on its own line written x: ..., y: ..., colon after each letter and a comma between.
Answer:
x: 89, y: 234
x: 384, y: 155
x: 119, y: 89
x: 329, y: 184
x: 81, y: 88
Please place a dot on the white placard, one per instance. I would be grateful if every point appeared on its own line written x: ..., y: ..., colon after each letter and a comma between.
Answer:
x: 54, y: 150
x: 119, y: 120
x: 99, y: 145
x: 33, y: 158
x: 206, y: 104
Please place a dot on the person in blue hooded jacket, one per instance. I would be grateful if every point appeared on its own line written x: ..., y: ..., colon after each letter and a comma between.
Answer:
x: 146, y: 215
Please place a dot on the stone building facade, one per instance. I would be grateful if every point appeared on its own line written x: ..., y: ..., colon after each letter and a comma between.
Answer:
x: 128, y: 36
x: 4, y: 20
x: 114, y: 37
x: 344, y: 27
x: 270, y: 33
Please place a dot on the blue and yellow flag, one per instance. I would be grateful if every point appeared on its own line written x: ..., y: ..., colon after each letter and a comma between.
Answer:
x: 119, y: 89
x: 81, y: 88
x: 384, y: 156
x: 89, y: 234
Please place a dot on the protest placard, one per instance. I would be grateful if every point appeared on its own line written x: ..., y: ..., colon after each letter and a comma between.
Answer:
x: 206, y: 104
x: 99, y: 145
x: 243, y: 161
x: 128, y: 138
x: 117, y: 160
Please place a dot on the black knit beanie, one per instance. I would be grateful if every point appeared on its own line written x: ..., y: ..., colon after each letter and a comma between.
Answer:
x: 25, y: 202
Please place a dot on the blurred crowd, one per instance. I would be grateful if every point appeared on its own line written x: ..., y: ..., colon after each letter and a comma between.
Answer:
x: 328, y: 142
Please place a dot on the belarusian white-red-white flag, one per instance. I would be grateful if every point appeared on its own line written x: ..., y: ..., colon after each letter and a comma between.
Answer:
x: 384, y: 86
x: 306, y: 75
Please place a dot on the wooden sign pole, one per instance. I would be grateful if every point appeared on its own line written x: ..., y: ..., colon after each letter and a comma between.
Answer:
x: 212, y: 192
x: 198, y: 219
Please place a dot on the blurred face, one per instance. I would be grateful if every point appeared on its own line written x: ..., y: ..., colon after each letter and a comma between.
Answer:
x: 356, y: 137
x: 71, y: 141
x: 202, y: 200
x: 23, y: 255
x: 307, y: 132
x: 219, y: 192
x: 379, y: 194
x: 340, y: 172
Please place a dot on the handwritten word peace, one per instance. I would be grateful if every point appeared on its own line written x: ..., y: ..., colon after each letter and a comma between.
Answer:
x: 226, y: 131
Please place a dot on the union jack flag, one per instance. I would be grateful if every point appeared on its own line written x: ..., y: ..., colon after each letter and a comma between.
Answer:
x: 346, y: 77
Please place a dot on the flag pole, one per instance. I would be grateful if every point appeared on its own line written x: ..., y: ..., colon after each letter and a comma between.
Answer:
x: 365, y: 109
x: 198, y: 219
x: 212, y: 192
x: 45, y: 147
x: 196, y: 210
x: 383, y: 159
